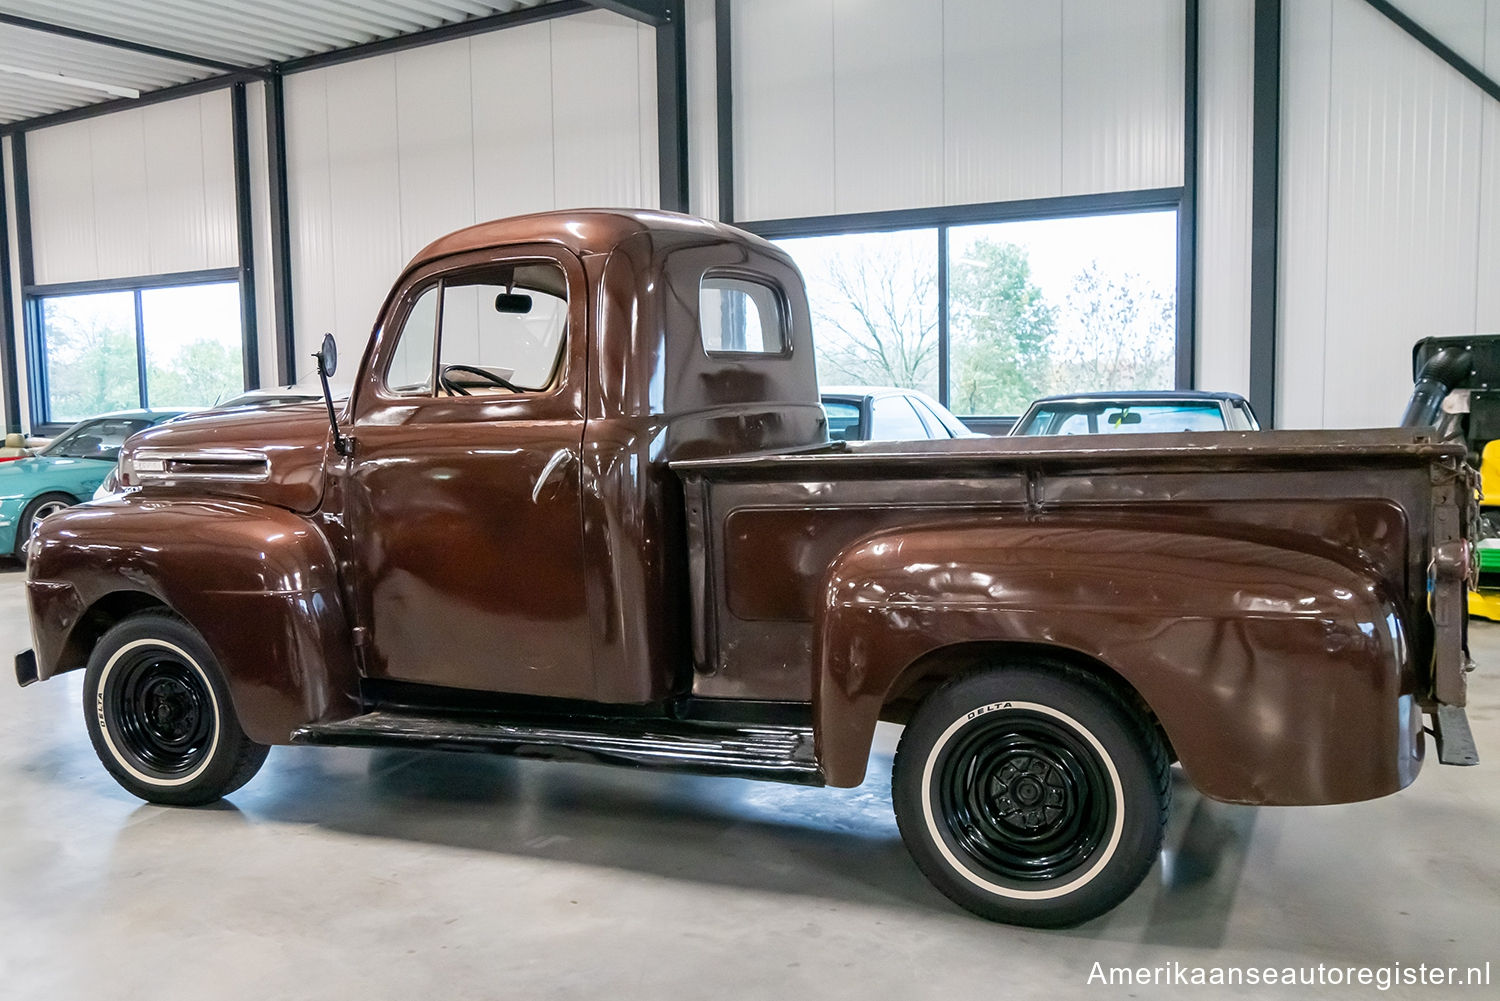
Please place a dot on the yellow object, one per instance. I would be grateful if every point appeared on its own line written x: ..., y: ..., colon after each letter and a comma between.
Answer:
x: 1485, y: 604
x: 1489, y: 471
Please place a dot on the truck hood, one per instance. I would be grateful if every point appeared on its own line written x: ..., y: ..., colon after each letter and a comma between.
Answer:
x: 274, y: 456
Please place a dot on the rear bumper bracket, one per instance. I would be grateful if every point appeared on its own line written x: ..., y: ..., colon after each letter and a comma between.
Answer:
x: 26, y: 668
x: 1455, y: 741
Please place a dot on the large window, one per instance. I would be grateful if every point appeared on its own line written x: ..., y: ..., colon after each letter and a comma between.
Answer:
x: 1030, y: 308
x: 166, y: 348
x: 874, y: 302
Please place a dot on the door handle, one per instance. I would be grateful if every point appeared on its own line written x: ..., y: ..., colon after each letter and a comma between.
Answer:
x: 550, y: 471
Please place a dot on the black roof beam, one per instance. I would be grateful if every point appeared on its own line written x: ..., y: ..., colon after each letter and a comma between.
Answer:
x: 172, y: 93
x: 239, y: 74
x: 653, y: 12
x: 1435, y: 45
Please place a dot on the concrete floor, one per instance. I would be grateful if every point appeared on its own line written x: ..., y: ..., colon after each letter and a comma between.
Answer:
x: 341, y: 873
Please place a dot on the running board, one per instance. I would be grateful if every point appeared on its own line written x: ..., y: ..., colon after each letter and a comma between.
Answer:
x: 1455, y: 741
x: 768, y: 753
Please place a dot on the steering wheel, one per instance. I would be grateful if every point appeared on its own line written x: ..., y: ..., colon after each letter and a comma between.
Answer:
x: 457, y: 389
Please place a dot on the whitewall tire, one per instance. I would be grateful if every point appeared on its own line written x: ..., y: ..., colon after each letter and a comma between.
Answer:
x: 1031, y: 793
x: 159, y: 714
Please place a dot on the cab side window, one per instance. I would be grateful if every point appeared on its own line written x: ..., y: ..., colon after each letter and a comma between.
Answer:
x: 499, y: 329
x: 410, y: 371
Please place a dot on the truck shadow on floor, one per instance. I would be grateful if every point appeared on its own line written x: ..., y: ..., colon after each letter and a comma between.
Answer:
x: 840, y: 844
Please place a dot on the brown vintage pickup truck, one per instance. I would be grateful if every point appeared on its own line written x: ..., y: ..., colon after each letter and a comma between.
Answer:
x: 582, y: 504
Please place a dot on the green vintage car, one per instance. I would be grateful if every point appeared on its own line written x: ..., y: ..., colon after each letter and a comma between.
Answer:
x: 64, y: 473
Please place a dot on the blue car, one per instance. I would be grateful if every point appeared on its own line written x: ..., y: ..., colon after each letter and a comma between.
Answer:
x: 64, y: 473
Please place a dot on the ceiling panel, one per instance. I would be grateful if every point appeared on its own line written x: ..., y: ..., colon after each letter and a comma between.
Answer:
x: 43, y: 72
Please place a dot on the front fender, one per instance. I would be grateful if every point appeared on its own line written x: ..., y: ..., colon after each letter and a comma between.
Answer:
x: 259, y: 582
x: 1278, y: 675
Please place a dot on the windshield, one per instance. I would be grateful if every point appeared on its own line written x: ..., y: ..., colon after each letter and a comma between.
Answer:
x: 96, y: 439
x: 1104, y: 417
x: 843, y: 420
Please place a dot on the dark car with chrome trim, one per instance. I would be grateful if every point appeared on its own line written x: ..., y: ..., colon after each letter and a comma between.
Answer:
x: 1137, y: 412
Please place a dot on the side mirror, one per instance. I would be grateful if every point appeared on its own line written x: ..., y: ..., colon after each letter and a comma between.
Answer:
x: 328, y: 363
x: 328, y: 356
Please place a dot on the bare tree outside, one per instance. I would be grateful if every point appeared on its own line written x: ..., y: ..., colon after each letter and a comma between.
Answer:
x: 874, y: 308
x: 91, y: 360
x: 1034, y: 308
x: 1119, y: 333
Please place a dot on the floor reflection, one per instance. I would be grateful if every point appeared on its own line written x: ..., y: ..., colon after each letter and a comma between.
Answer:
x: 839, y: 843
x: 1202, y: 860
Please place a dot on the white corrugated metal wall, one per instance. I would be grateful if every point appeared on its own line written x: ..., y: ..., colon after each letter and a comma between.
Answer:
x: 1390, y: 204
x: 385, y: 154
x: 140, y: 192
x: 844, y: 106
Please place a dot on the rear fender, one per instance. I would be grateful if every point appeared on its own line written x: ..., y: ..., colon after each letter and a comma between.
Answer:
x: 259, y: 582
x: 1278, y: 675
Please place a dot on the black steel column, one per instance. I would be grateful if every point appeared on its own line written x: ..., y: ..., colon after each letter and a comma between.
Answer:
x: 281, y: 230
x: 10, y: 357
x: 23, y: 210
x: 1265, y: 196
x: 36, y: 371
x: 1187, y: 212
x: 724, y: 106
x: 249, y: 329
x: 671, y: 110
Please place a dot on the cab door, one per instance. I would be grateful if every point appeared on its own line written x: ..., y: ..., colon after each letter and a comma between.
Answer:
x: 464, y: 490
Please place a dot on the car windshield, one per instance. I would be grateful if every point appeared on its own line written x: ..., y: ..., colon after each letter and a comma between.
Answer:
x: 96, y: 439
x: 843, y: 420
x: 1116, y: 417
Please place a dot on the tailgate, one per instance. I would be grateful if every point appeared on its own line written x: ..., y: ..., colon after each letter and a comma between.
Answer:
x: 1452, y: 571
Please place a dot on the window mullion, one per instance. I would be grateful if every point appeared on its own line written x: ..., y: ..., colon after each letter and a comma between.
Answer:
x: 942, y: 307
x: 437, y: 334
x: 140, y: 352
x: 36, y: 326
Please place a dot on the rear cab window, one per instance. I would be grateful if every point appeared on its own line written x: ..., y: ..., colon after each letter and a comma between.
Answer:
x: 738, y: 315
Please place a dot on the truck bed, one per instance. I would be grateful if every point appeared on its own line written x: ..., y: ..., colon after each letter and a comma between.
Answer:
x: 1103, y: 533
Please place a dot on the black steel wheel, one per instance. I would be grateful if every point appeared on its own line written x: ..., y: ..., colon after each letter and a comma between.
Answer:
x: 1031, y: 794
x: 160, y: 716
